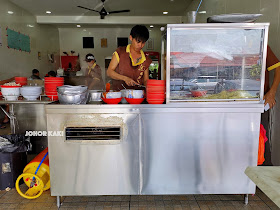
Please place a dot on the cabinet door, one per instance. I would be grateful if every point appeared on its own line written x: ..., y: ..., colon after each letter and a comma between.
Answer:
x: 198, y: 153
x: 94, y: 165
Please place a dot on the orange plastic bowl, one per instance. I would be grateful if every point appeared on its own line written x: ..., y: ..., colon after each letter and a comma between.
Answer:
x: 198, y: 93
x: 134, y: 100
x: 112, y: 100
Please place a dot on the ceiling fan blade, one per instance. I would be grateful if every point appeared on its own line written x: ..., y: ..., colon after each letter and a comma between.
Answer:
x: 88, y: 9
x: 119, y: 11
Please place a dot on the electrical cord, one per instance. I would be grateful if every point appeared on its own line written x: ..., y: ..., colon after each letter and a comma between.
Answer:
x: 198, y: 7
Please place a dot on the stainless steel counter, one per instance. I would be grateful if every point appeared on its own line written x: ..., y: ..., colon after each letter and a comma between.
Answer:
x: 176, y: 148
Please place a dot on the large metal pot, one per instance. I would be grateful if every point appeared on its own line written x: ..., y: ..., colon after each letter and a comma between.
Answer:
x: 72, y: 94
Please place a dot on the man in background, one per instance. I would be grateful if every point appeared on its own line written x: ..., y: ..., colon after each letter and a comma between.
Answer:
x: 35, y: 74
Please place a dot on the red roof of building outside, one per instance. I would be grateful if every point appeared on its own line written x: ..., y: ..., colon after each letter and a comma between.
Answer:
x: 184, y: 60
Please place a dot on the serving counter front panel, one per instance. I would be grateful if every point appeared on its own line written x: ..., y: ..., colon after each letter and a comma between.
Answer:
x: 164, y: 149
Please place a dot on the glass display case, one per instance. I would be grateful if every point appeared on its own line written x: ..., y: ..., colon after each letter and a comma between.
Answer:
x: 216, y: 62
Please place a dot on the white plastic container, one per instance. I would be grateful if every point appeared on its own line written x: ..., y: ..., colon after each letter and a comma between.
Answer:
x: 31, y: 92
x: 10, y: 93
x: 134, y: 93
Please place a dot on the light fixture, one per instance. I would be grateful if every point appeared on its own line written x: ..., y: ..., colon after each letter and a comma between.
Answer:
x: 48, y: 12
x: 165, y: 13
x: 10, y: 12
x: 30, y: 26
x: 151, y: 26
x: 202, y: 12
x: 79, y: 26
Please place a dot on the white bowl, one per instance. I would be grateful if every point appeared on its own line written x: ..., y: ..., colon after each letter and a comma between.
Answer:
x: 134, y: 93
x: 112, y: 94
x: 31, y: 92
x: 10, y: 94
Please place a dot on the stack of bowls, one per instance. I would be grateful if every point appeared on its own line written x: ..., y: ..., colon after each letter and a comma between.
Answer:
x: 155, y: 91
x: 31, y: 92
x: 51, y: 83
x: 21, y: 80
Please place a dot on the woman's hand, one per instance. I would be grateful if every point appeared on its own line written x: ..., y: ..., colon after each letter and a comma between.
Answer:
x: 130, y: 82
x: 269, y: 98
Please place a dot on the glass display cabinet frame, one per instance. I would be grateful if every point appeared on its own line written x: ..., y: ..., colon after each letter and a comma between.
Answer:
x: 239, y: 49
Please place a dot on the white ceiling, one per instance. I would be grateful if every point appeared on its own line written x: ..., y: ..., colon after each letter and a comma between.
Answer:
x: 136, y: 7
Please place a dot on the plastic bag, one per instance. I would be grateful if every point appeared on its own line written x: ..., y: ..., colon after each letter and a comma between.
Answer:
x: 19, y: 143
x: 262, y: 140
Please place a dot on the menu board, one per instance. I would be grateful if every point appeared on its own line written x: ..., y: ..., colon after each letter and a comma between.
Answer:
x: 24, y: 42
x: 18, y: 41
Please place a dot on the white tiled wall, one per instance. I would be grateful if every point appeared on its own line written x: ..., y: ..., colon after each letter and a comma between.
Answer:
x: 72, y: 39
x: 271, y: 13
x: 44, y: 39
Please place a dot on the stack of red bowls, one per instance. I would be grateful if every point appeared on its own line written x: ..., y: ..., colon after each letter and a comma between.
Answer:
x: 155, y: 91
x: 21, y: 80
x: 51, y: 83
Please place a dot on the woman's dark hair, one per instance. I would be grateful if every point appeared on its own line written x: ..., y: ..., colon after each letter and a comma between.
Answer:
x: 52, y: 74
x: 140, y: 32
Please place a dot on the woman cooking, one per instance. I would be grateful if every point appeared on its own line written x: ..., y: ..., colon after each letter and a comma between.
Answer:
x: 93, y: 74
x: 129, y: 66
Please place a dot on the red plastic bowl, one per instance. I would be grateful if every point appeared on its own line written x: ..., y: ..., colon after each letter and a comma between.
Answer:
x: 155, y: 101
x: 155, y: 82
x: 20, y: 79
x: 134, y: 100
x: 156, y: 96
x: 198, y: 93
x: 112, y: 100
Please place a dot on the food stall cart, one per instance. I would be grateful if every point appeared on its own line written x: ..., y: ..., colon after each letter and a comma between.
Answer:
x: 199, y: 142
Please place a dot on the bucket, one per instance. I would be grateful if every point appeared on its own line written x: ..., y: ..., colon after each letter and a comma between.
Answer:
x: 191, y: 16
x: 36, y: 175
x: 21, y: 80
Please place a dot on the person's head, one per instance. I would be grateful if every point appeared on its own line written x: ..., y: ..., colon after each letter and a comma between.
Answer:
x: 35, y: 72
x: 52, y: 74
x: 139, y: 34
x: 90, y: 59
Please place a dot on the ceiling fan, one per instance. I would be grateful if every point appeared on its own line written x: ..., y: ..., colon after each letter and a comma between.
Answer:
x: 103, y: 12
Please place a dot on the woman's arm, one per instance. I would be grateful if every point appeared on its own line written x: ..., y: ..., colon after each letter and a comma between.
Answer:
x: 114, y: 75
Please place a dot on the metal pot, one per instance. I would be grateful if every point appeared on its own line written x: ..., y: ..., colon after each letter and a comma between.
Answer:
x: 73, y: 99
x: 95, y: 95
x: 72, y: 94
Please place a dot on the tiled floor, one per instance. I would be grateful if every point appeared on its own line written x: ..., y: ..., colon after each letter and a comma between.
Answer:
x: 12, y: 200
